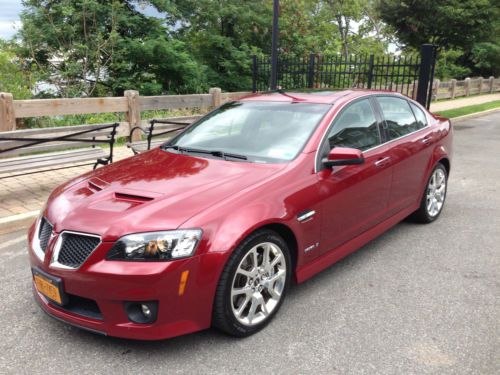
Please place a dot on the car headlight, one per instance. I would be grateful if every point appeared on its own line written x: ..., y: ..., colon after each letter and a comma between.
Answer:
x: 156, y: 245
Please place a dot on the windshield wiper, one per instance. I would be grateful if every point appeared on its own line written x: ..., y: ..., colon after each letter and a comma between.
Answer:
x: 226, y: 155
x: 216, y: 153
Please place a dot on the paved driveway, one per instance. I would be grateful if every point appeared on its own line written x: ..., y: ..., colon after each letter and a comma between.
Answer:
x: 421, y: 299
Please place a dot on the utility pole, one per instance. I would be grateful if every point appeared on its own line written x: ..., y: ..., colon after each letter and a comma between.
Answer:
x: 274, y: 52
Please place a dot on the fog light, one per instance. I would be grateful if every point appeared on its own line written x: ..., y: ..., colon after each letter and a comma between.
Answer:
x: 142, y: 312
x: 146, y: 311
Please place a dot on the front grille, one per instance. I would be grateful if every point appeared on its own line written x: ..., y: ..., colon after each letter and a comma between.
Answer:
x: 76, y: 248
x: 44, y: 233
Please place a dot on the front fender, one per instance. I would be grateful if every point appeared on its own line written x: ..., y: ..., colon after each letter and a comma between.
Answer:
x: 227, y: 231
x: 226, y: 227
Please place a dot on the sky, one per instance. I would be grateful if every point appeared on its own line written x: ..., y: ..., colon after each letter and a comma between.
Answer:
x: 9, y: 17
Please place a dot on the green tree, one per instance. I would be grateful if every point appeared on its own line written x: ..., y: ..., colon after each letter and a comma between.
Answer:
x: 222, y: 35
x: 445, y: 23
x: 345, y: 13
x: 486, y: 58
x: 329, y: 27
x: 448, y: 65
x: 15, y: 78
x: 304, y: 29
x: 97, y: 47
x: 469, y: 26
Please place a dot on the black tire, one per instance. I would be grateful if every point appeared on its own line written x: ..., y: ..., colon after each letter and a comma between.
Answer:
x: 223, y: 317
x: 422, y: 215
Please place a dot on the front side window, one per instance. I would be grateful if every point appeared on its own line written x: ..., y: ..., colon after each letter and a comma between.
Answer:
x: 420, y: 116
x: 398, y: 116
x: 260, y: 131
x: 356, y: 127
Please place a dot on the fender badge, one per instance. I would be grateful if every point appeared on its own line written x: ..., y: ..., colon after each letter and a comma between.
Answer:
x: 312, y: 247
x: 304, y: 215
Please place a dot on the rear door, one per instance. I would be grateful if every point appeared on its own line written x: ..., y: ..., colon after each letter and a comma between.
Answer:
x: 409, y: 139
x: 354, y: 197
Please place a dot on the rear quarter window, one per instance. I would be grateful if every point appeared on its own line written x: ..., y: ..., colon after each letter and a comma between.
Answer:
x: 420, y: 116
x: 398, y: 115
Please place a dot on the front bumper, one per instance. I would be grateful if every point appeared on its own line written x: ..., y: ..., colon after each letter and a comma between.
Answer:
x: 112, y: 283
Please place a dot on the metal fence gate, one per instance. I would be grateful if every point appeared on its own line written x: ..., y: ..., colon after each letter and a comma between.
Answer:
x: 410, y: 75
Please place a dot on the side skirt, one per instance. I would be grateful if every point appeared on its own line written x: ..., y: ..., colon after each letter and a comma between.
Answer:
x: 333, y: 256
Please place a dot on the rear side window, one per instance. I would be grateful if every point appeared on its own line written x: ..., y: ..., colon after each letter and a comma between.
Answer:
x: 398, y: 116
x: 420, y: 116
x: 356, y: 127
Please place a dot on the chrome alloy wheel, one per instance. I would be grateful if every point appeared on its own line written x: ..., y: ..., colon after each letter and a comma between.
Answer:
x: 258, y: 283
x: 436, y: 191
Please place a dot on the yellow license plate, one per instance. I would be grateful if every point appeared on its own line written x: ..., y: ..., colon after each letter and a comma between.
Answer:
x: 47, y: 288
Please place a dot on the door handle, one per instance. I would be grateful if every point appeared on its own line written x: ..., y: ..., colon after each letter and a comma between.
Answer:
x: 427, y: 140
x: 382, y: 162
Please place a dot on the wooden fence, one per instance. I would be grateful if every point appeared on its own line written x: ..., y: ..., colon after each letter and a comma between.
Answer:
x: 453, y: 88
x: 131, y: 104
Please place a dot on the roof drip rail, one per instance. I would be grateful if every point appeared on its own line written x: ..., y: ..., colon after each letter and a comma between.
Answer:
x: 345, y: 94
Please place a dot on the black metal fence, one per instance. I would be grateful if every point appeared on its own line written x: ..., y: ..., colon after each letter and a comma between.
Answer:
x: 406, y: 74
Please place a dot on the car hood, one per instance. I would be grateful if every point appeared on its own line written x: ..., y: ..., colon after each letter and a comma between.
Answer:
x: 156, y: 190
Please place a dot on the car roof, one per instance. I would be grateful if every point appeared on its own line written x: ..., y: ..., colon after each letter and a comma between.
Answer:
x: 318, y: 97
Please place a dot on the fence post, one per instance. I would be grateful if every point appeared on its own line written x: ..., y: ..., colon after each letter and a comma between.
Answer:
x: 7, y: 116
x: 467, y: 86
x: 480, y: 85
x: 310, y: 71
x: 491, y: 84
x: 453, y: 88
x: 437, y: 82
x: 133, y: 114
x: 254, y: 73
x: 370, y: 71
x: 424, y: 78
x: 216, y: 96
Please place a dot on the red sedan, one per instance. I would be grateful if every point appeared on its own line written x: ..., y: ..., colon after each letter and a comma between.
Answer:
x: 211, y: 228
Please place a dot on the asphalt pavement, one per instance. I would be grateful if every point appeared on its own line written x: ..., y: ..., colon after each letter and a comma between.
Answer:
x: 421, y: 299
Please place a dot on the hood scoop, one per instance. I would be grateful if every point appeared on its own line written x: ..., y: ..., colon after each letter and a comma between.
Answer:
x: 96, y: 184
x: 132, y: 198
x: 119, y: 202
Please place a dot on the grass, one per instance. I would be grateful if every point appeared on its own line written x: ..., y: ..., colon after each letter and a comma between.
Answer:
x: 462, y: 111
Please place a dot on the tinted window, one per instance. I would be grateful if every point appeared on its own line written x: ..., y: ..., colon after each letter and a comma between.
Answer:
x: 356, y: 127
x: 262, y: 131
x: 398, y: 116
x: 419, y: 114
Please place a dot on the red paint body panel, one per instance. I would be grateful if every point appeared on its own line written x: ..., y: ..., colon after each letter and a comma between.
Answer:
x: 228, y: 200
x: 355, y: 198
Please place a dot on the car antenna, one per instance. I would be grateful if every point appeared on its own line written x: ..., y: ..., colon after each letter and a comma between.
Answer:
x: 282, y: 92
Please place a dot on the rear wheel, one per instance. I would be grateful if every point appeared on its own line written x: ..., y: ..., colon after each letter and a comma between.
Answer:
x: 253, y: 284
x: 434, y: 196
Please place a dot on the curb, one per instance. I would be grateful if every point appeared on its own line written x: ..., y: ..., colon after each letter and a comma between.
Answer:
x: 475, y: 114
x: 16, y: 222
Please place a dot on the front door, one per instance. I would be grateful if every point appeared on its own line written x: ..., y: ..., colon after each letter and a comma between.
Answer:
x: 354, y: 197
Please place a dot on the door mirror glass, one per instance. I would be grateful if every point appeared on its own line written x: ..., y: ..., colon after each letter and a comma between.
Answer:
x: 343, y: 156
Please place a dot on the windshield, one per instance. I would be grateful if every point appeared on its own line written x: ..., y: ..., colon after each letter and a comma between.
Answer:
x: 254, y: 131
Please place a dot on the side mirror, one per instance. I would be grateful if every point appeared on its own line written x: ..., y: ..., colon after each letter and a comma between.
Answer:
x: 343, y: 156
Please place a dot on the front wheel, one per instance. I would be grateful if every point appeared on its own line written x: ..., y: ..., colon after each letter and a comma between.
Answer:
x: 434, y: 196
x: 253, y: 284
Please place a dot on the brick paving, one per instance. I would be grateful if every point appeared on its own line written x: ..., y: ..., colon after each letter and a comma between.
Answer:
x: 28, y: 193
